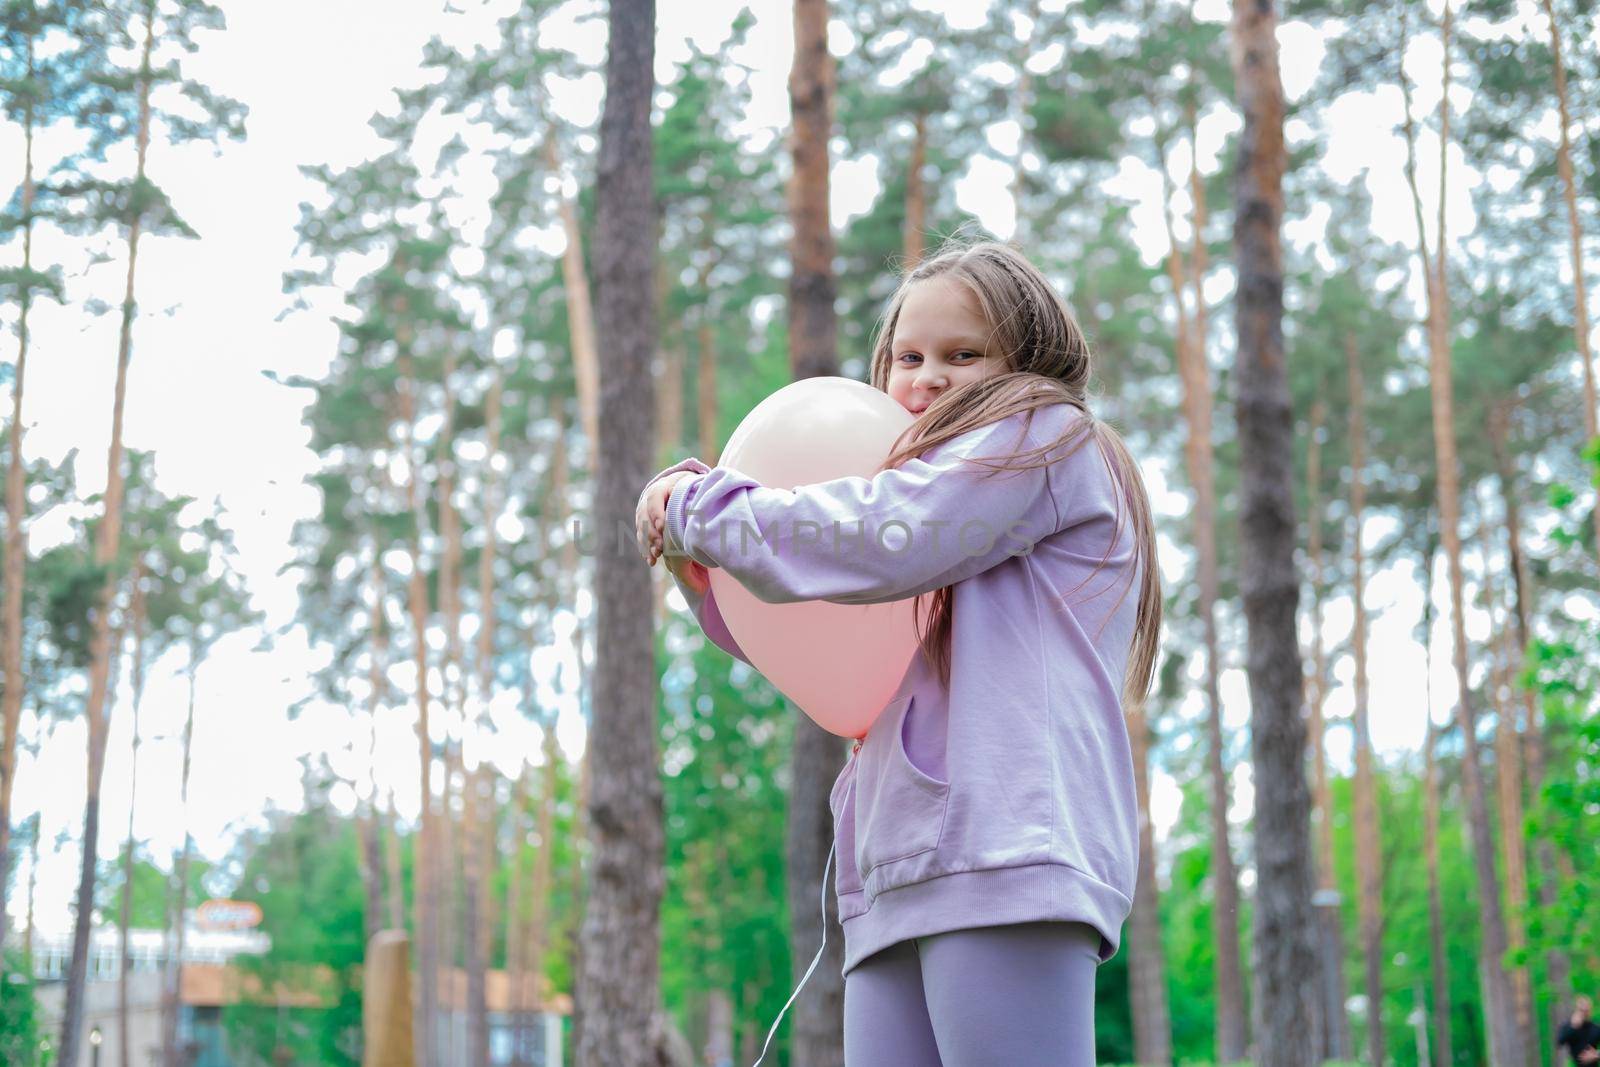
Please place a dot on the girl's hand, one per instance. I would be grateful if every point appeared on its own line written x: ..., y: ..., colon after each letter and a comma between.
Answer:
x: 650, y: 520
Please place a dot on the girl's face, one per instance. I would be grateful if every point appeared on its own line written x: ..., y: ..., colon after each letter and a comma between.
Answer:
x: 941, y: 341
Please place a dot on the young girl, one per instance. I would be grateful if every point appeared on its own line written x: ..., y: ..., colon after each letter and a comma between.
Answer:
x: 986, y: 827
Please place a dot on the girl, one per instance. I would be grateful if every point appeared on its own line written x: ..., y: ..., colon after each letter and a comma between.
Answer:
x: 985, y: 827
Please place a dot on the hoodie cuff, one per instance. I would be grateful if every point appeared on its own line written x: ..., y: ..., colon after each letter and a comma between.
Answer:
x: 677, y: 517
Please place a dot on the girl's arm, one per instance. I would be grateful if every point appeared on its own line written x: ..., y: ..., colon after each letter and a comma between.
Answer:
x: 703, y: 605
x: 919, y: 527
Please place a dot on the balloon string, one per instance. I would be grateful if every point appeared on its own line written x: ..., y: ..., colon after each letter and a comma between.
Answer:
x: 818, y: 956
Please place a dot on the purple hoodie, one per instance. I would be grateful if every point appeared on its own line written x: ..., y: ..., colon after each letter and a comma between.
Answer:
x: 1008, y: 798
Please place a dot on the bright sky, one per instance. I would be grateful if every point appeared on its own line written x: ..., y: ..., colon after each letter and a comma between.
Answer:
x: 312, y: 74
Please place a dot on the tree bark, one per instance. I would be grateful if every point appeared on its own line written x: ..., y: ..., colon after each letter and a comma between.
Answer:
x: 478, y: 938
x: 536, y: 934
x: 1580, y: 297
x: 125, y: 911
x: 33, y: 883
x: 1506, y: 1043
x: 1436, y: 943
x: 1369, y: 860
x: 390, y: 828
x: 424, y: 901
x: 618, y: 977
x: 1147, y: 962
x: 813, y: 350
x: 371, y: 824
x: 1023, y: 100
x: 1285, y: 971
x: 513, y: 913
x: 179, y: 894
x: 580, y: 310
x: 107, y: 541
x: 1326, y: 900
x: 1508, y: 782
x: 455, y: 832
x: 1558, y: 967
x: 915, y: 241
x: 706, y: 405
x: 1194, y: 374
x: 16, y: 553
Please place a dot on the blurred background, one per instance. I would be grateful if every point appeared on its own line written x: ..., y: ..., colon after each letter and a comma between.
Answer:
x: 318, y: 279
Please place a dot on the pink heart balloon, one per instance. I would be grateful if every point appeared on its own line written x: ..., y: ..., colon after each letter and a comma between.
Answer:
x: 839, y: 663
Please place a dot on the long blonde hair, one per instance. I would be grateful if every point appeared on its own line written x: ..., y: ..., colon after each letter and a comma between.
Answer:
x: 1046, y: 360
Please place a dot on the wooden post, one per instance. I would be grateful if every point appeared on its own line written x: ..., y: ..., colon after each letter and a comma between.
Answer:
x: 386, y: 1002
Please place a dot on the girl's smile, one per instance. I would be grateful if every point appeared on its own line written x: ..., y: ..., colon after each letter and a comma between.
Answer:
x: 941, y: 341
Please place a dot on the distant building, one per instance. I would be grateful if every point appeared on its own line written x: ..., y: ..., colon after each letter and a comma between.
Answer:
x: 211, y: 983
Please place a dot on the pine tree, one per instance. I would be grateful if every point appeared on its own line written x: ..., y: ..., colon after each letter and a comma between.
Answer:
x: 39, y: 86
x: 619, y: 978
x: 1285, y: 1000
x: 127, y: 104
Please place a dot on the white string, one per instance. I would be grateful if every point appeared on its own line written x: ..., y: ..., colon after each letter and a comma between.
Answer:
x: 818, y: 956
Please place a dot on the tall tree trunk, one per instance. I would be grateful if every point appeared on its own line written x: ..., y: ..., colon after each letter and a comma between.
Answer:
x: 446, y: 868
x: 1285, y: 974
x: 580, y: 310
x: 813, y: 350
x: 916, y: 225
x: 92, y: 808
x: 669, y: 406
x: 107, y: 541
x: 1558, y: 968
x: 371, y: 857
x: 178, y: 894
x: 1330, y: 926
x: 454, y: 835
x: 424, y: 899
x: 669, y: 398
x: 536, y: 931
x: 16, y: 552
x: 1023, y: 102
x: 569, y: 585
x: 1436, y: 943
x: 371, y: 821
x: 477, y: 928
x: 1508, y: 782
x: 33, y: 883
x: 706, y: 399
x: 1580, y: 297
x: 1147, y: 961
x: 1506, y: 1044
x: 1369, y: 860
x: 515, y: 966
x: 618, y: 980
x: 1194, y: 373
x: 390, y: 828
x: 125, y: 910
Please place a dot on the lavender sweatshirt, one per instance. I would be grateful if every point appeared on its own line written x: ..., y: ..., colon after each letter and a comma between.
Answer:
x: 1009, y: 797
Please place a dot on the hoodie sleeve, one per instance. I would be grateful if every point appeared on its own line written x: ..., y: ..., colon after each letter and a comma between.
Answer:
x: 926, y: 524
x: 704, y: 605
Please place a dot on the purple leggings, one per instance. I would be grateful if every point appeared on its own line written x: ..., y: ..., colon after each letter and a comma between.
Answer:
x: 1020, y: 995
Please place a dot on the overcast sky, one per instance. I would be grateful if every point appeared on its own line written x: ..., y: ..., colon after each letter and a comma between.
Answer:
x: 312, y: 74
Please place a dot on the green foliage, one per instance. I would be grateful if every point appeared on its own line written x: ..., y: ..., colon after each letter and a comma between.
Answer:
x: 22, y: 1040
x: 1564, y: 674
x: 302, y: 871
x: 152, y: 888
x: 726, y: 738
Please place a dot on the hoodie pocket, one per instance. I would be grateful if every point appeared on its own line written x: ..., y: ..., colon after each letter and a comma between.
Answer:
x: 899, y: 808
x: 846, y: 877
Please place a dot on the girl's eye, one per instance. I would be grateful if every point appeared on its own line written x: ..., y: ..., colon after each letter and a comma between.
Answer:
x: 958, y: 355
